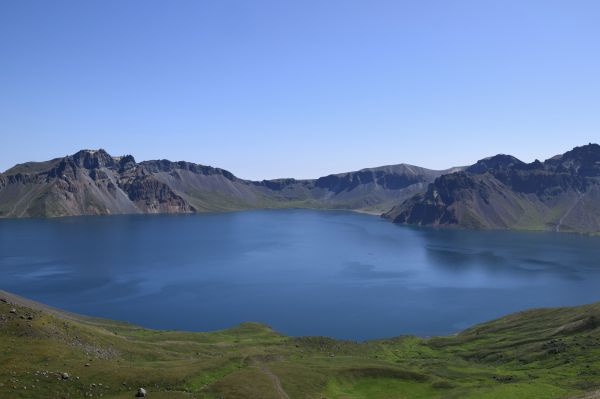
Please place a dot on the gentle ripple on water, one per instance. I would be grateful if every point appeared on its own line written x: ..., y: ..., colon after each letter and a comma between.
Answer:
x: 304, y: 272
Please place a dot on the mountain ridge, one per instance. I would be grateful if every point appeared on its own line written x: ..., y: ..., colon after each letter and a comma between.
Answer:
x: 92, y: 182
x: 560, y: 194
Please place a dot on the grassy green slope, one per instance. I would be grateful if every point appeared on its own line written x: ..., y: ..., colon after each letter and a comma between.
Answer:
x: 547, y: 353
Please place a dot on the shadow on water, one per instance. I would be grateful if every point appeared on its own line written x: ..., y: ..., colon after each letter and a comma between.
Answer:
x: 507, y: 252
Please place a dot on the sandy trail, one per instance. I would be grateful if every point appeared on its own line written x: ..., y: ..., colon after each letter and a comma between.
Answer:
x: 276, y: 381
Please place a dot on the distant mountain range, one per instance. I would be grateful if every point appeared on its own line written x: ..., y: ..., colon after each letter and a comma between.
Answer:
x: 92, y: 182
x: 560, y: 194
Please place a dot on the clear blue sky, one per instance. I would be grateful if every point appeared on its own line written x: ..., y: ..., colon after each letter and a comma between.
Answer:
x: 299, y: 88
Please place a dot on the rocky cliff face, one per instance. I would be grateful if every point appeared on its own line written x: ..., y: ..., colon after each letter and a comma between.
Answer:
x: 561, y: 194
x: 93, y: 182
x: 86, y: 183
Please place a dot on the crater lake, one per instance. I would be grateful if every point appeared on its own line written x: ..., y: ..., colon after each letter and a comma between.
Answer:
x: 303, y: 272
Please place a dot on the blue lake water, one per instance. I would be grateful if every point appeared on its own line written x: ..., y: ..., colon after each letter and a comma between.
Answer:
x: 303, y: 272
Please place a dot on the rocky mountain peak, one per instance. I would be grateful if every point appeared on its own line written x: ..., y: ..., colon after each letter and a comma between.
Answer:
x: 126, y: 162
x: 582, y: 161
x: 497, y: 162
x: 92, y: 159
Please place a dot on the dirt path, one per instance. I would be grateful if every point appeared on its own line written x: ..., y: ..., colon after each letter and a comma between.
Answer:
x: 568, y: 212
x: 276, y: 381
x: 589, y: 395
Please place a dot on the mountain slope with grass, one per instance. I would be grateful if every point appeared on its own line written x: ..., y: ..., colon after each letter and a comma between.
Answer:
x: 543, y: 353
x: 560, y: 194
x: 92, y: 182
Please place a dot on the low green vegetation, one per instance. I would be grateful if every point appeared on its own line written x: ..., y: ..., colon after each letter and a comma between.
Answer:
x: 545, y: 353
